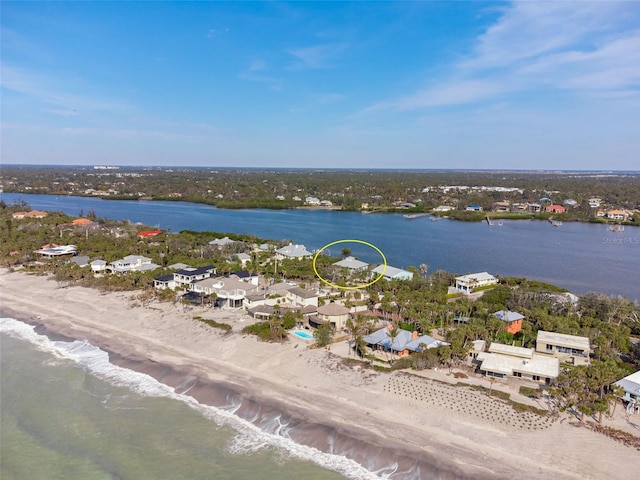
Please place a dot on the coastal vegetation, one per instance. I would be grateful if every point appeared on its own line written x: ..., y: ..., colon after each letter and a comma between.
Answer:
x: 370, y: 191
x: 419, y: 305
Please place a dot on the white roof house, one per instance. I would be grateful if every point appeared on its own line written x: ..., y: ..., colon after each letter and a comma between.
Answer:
x: 57, y: 251
x: 293, y: 251
x: 230, y: 291
x: 503, y: 361
x: 631, y: 386
x: 221, y: 242
x: 391, y: 273
x: 132, y: 263
x: 351, y: 263
x: 466, y: 283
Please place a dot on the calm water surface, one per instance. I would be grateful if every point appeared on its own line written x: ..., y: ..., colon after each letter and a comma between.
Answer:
x: 578, y: 256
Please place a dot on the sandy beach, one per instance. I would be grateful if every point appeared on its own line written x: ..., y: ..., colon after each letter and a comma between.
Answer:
x: 459, y: 432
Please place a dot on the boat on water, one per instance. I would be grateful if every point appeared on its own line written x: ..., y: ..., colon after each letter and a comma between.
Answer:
x: 411, y: 216
x: 616, y: 228
x: 500, y: 224
x: 489, y: 221
x: 555, y: 223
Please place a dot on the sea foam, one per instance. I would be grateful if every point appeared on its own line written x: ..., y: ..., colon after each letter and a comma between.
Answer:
x: 250, y: 438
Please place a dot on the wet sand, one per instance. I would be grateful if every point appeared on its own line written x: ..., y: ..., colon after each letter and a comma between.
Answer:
x: 376, y: 418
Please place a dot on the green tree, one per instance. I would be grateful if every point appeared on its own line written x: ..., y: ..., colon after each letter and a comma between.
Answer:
x: 324, y: 334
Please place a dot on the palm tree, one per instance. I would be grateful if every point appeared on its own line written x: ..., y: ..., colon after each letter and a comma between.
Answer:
x: 423, y: 270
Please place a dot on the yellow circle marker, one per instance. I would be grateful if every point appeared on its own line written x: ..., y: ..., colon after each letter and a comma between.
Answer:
x: 384, y: 262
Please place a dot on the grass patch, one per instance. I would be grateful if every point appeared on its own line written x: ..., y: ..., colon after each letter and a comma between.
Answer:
x: 530, y: 392
x: 225, y: 327
x: 522, y: 408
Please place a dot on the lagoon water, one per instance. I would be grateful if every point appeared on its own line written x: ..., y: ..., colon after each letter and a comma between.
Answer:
x: 580, y: 257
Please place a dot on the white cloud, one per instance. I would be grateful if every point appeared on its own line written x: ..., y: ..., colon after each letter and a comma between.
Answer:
x: 46, y: 89
x: 317, y: 56
x: 587, y: 48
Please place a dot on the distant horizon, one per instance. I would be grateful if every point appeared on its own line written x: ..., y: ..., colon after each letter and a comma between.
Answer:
x: 329, y: 169
x: 498, y: 85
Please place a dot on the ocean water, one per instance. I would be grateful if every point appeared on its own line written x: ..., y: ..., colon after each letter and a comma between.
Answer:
x: 580, y: 257
x: 70, y: 410
x: 68, y: 413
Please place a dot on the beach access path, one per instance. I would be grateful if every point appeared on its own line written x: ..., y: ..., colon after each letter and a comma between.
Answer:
x: 472, y: 435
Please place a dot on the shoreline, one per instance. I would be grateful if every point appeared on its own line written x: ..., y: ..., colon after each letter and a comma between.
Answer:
x: 308, y: 386
x: 389, y: 211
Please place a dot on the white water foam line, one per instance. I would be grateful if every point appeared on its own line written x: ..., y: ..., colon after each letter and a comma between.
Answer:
x: 250, y: 438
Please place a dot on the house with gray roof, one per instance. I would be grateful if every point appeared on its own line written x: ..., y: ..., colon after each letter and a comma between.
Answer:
x: 80, y: 260
x: 404, y: 342
x: 221, y: 242
x: 300, y: 297
x: 293, y: 251
x: 351, y: 263
x: 98, y: 265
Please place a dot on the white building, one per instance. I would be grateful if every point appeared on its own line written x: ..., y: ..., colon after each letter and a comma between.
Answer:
x: 467, y: 283
x: 567, y: 348
x: 132, y: 263
x: 391, y: 273
x: 504, y: 361
x: 631, y: 386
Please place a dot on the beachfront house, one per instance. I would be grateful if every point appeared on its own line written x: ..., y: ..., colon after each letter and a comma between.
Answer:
x: 230, y: 291
x: 132, y: 263
x: 391, y: 273
x: 467, y: 283
x: 98, y: 265
x: 56, y: 251
x: 512, y: 320
x: 164, y: 282
x: 504, y: 361
x: 567, y: 348
x: 400, y: 342
x: 333, y: 313
x: 293, y: 251
x: 186, y: 276
x: 631, y: 386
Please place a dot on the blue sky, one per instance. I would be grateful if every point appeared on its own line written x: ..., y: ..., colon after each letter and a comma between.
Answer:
x: 523, y: 85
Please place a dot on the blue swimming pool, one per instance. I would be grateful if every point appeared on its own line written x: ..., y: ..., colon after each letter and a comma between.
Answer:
x: 302, y: 334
